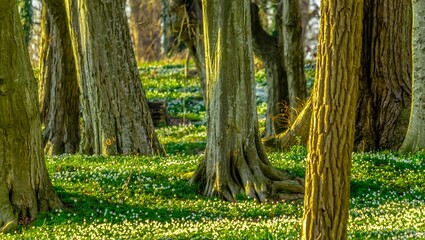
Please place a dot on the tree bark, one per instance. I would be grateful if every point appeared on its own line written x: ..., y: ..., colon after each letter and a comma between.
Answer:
x: 385, y: 85
x: 415, y: 137
x: 270, y: 50
x: 25, y: 187
x: 333, y: 121
x: 58, y: 90
x: 293, y: 54
x: 235, y: 161
x: 116, y: 118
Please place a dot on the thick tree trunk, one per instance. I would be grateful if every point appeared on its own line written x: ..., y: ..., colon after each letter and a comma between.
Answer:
x: 333, y: 121
x: 270, y: 50
x: 385, y: 85
x: 186, y: 24
x: 415, y: 137
x: 293, y: 54
x: 58, y: 90
x: 234, y: 161
x: 116, y: 118
x: 25, y: 187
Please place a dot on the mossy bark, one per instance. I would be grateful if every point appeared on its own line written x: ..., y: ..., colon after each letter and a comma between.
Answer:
x: 58, y: 88
x: 25, y: 187
x: 116, y: 118
x: 235, y: 162
x: 415, y: 137
x: 332, y: 129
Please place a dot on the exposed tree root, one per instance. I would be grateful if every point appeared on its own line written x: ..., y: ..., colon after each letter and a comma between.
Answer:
x: 249, y: 173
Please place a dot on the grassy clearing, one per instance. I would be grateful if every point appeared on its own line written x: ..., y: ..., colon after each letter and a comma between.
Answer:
x: 148, y: 197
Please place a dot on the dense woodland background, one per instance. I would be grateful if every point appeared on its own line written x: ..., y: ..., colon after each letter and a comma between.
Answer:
x: 212, y: 119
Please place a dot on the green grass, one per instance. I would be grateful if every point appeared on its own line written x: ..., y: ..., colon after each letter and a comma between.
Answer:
x: 148, y: 197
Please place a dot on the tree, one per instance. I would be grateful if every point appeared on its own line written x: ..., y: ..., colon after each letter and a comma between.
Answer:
x: 331, y: 140
x: 235, y: 161
x: 59, y: 92
x: 293, y: 53
x: 116, y: 118
x: 385, y: 84
x: 415, y: 137
x: 25, y: 187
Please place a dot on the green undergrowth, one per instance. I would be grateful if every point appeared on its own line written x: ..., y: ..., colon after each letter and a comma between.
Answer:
x: 136, y: 197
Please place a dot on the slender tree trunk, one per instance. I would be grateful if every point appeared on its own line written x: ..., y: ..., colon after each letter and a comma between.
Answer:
x: 415, y: 137
x: 25, y: 187
x: 385, y: 85
x: 116, y: 118
x: 270, y: 50
x: 333, y: 121
x: 293, y: 53
x: 59, y: 92
x: 186, y: 24
x: 235, y: 161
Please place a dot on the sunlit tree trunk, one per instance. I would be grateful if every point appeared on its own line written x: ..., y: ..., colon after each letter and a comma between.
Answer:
x: 331, y: 140
x: 235, y: 162
x: 385, y: 85
x: 116, y: 118
x: 293, y: 53
x: 415, y: 137
x: 25, y: 187
x: 58, y: 88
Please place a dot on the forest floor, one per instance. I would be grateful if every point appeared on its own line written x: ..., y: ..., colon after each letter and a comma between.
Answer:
x: 128, y: 197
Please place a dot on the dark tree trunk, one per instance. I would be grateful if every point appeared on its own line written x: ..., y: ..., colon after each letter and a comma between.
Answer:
x: 235, y: 161
x: 59, y: 92
x: 116, y: 118
x: 270, y: 50
x: 25, y: 187
x: 385, y: 85
x: 332, y: 129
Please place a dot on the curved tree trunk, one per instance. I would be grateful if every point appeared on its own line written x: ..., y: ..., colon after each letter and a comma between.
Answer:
x: 270, y: 50
x: 25, y: 187
x: 415, y: 137
x: 385, y: 85
x: 58, y: 90
x: 293, y: 54
x: 333, y: 121
x: 186, y: 24
x: 234, y: 161
x: 116, y: 118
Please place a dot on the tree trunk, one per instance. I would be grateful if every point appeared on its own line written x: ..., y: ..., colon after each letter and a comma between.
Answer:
x: 415, y: 137
x: 25, y: 187
x: 116, y: 118
x: 270, y: 50
x: 333, y: 121
x: 186, y: 24
x: 59, y: 92
x: 293, y: 54
x: 385, y: 85
x: 235, y: 161
x: 145, y: 25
